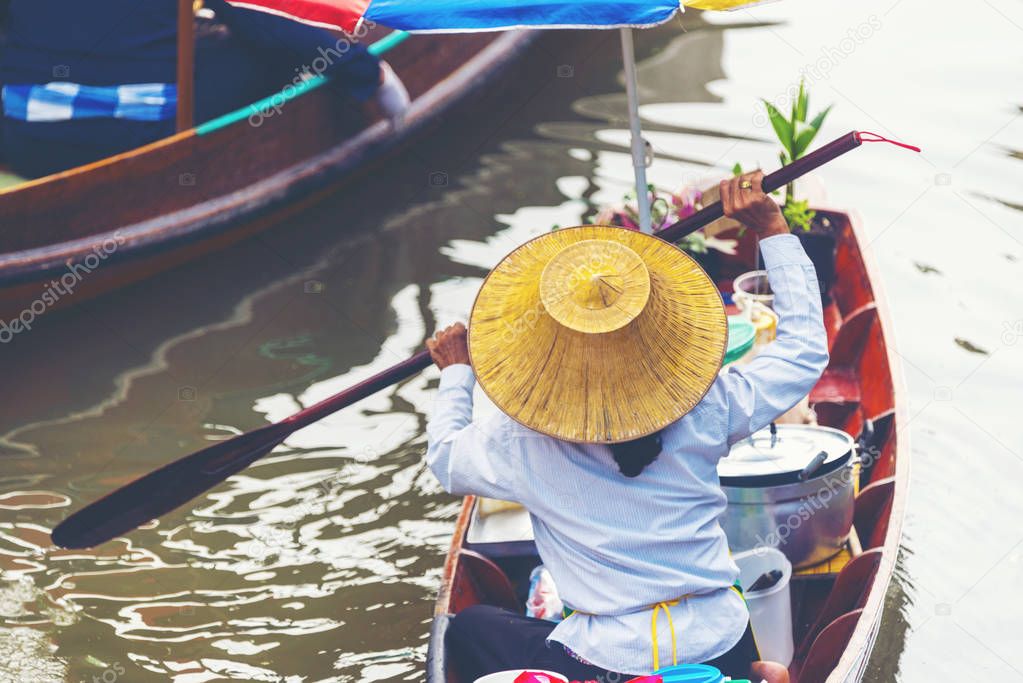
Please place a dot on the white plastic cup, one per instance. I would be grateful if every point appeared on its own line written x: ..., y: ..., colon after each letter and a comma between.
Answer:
x: 745, y: 290
x: 510, y: 676
x: 770, y: 610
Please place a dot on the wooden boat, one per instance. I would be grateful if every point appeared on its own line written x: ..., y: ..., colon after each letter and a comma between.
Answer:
x: 138, y: 213
x: 836, y: 606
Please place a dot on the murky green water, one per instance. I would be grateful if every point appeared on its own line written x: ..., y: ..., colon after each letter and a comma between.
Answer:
x: 321, y: 562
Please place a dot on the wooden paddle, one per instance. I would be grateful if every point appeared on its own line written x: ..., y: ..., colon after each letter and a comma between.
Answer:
x: 173, y: 485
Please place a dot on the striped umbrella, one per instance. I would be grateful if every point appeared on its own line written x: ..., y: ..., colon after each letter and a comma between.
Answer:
x: 434, y: 16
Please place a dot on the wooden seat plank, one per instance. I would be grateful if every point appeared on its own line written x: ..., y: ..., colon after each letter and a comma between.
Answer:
x: 826, y: 649
x: 849, y: 593
x: 872, y: 512
x: 488, y: 582
x: 836, y: 385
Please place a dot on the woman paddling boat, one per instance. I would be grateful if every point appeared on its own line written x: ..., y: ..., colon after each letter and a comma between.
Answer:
x: 613, y: 418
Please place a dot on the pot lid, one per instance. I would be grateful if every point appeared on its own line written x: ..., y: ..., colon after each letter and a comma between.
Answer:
x: 771, y: 459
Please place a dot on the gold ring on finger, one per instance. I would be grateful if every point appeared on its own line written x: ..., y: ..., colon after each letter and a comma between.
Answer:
x: 746, y: 184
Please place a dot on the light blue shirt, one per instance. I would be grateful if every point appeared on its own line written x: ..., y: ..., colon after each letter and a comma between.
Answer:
x: 616, y: 546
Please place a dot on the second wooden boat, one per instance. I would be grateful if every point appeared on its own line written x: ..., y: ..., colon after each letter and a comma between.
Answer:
x: 128, y: 217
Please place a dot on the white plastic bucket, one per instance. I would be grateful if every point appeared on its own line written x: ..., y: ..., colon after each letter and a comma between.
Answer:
x: 770, y: 611
x: 510, y: 676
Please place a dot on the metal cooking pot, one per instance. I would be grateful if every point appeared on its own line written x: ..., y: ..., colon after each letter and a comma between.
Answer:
x: 790, y: 487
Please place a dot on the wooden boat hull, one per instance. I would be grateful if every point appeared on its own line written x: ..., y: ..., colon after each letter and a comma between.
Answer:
x: 852, y: 664
x: 150, y: 209
x: 863, y: 381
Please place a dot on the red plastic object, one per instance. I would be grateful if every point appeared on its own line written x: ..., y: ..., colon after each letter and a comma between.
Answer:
x: 534, y: 677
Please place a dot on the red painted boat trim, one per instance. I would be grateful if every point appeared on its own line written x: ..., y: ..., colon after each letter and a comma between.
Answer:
x: 853, y: 662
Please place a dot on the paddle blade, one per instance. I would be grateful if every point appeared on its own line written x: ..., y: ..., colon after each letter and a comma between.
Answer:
x: 165, y: 489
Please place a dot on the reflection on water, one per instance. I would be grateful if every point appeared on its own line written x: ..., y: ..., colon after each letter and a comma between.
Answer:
x: 321, y: 561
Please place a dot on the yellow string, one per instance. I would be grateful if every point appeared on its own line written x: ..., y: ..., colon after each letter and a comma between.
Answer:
x: 653, y: 632
x: 665, y: 605
x: 742, y: 597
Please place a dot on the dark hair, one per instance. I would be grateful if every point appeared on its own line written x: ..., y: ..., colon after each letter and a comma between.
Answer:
x: 633, y: 456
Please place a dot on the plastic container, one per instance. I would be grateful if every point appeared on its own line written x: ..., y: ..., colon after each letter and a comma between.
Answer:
x: 770, y: 611
x: 512, y: 675
x: 752, y: 286
x: 689, y: 673
x: 755, y: 300
x: 741, y: 335
x: 765, y: 321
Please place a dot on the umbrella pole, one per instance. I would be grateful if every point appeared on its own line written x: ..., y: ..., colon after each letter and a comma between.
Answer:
x: 638, y: 146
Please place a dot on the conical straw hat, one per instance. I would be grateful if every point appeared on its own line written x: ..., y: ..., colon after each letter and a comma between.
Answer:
x: 597, y: 334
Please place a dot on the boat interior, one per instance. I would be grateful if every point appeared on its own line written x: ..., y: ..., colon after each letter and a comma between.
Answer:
x: 493, y: 555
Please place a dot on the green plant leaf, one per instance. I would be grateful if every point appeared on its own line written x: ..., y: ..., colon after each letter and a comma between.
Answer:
x: 802, y: 102
x: 818, y: 120
x: 694, y: 244
x: 804, y: 136
x: 799, y: 215
x: 806, y: 132
x: 782, y: 128
x: 737, y: 169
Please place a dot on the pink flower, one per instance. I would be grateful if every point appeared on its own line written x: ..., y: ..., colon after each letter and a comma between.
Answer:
x: 606, y: 216
x: 687, y: 201
x: 613, y: 216
x: 625, y: 221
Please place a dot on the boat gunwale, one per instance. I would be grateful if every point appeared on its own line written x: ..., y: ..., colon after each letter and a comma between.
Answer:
x: 852, y: 663
x: 386, y: 43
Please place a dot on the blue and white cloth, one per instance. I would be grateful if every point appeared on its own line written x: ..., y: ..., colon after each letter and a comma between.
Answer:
x: 618, y: 546
x: 63, y: 101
